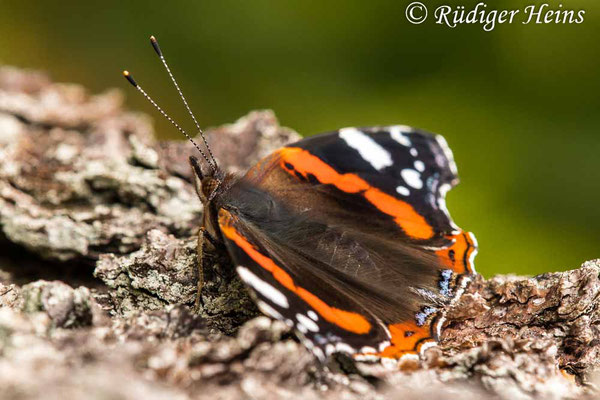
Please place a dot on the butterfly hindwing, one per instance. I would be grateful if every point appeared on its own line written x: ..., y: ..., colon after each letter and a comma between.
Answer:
x: 326, y: 319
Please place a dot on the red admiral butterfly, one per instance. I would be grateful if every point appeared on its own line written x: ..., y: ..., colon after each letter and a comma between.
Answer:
x: 344, y: 236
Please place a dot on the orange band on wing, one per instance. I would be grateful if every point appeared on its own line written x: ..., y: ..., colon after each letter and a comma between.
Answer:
x: 406, y: 338
x: 404, y: 214
x: 458, y: 256
x: 402, y: 342
x: 347, y: 320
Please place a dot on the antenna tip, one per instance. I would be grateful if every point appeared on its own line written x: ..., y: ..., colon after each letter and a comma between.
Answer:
x: 155, y: 46
x: 128, y: 76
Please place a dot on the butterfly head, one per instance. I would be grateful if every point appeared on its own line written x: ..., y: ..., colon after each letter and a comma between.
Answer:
x: 207, y: 185
x: 210, y: 187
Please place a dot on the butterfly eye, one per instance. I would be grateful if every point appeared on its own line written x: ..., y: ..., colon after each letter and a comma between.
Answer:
x: 209, y: 185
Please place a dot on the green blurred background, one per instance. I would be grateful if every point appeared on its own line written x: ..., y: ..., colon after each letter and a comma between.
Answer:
x: 519, y: 105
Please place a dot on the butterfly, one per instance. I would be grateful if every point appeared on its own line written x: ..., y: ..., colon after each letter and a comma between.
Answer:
x: 344, y: 236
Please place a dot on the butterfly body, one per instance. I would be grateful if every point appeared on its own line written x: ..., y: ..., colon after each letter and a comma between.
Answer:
x: 345, y: 237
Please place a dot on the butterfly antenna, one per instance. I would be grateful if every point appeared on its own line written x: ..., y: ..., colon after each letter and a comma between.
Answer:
x: 129, y: 78
x: 185, y: 103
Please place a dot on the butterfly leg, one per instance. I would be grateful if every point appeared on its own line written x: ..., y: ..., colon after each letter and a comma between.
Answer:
x: 200, y: 251
x: 206, y: 245
x: 202, y: 238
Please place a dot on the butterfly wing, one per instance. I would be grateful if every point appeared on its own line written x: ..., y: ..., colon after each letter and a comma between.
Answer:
x: 392, y: 180
x: 325, y: 317
x: 357, y: 219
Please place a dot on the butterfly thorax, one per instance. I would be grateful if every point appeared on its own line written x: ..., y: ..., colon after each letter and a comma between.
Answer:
x: 211, y: 188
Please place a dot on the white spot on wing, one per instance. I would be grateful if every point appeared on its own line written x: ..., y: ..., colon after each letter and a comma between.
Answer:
x: 313, y: 315
x: 414, y: 152
x: 368, y: 349
x: 437, y: 248
x: 267, y: 309
x: 439, y: 324
x: 383, y: 345
x: 307, y: 323
x: 447, y: 152
x: 408, y: 356
x: 262, y: 287
x: 419, y: 165
x: 474, y: 252
x: 318, y: 353
x: 344, y: 348
x: 427, y: 345
x: 391, y: 363
x: 403, y: 190
x: 369, y: 149
x: 441, y: 202
x: 367, y: 357
x: 329, y: 349
x: 397, y: 133
x: 412, y: 178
